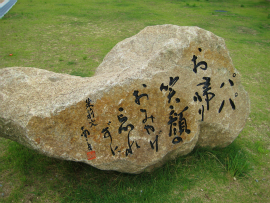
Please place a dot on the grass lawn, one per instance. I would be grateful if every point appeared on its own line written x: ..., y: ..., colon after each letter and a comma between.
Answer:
x: 73, y: 36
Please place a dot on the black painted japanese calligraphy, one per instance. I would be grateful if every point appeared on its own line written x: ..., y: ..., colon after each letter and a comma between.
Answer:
x: 91, y: 118
x: 107, y: 134
x: 206, y: 93
x: 231, y: 102
x: 154, y: 143
x: 138, y: 97
x: 171, y: 90
x: 150, y: 129
x: 206, y: 89
x: 90, y: 113
x: 86, y: 133
x: 123, y: 119
x: 177, y: 119
x: 202, y: 64
x: 177, y: 122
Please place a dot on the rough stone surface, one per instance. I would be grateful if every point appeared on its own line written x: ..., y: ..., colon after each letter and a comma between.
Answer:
x: 154, y: 97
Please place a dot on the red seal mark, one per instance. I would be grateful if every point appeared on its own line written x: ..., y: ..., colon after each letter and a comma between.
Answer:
x: 91, y: 155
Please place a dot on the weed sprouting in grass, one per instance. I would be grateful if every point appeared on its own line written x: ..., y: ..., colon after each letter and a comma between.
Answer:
x: 189, y: 5
x: 260, y: 148
x: 71, y: 63
x: 237, y: 164
x: 232, y: 159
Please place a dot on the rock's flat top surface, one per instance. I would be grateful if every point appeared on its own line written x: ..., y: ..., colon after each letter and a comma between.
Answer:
x: 155, y: 96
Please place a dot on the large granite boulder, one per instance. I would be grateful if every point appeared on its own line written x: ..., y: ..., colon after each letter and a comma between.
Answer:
x: 154, y: 97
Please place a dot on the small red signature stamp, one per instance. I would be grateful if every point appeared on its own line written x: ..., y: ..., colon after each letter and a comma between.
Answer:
x: 91, y: 155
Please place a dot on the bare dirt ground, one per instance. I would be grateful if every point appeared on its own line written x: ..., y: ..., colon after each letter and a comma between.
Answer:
x: 1, y: 1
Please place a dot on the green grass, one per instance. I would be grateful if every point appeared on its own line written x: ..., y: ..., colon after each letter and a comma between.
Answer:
x: 73, y: 37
